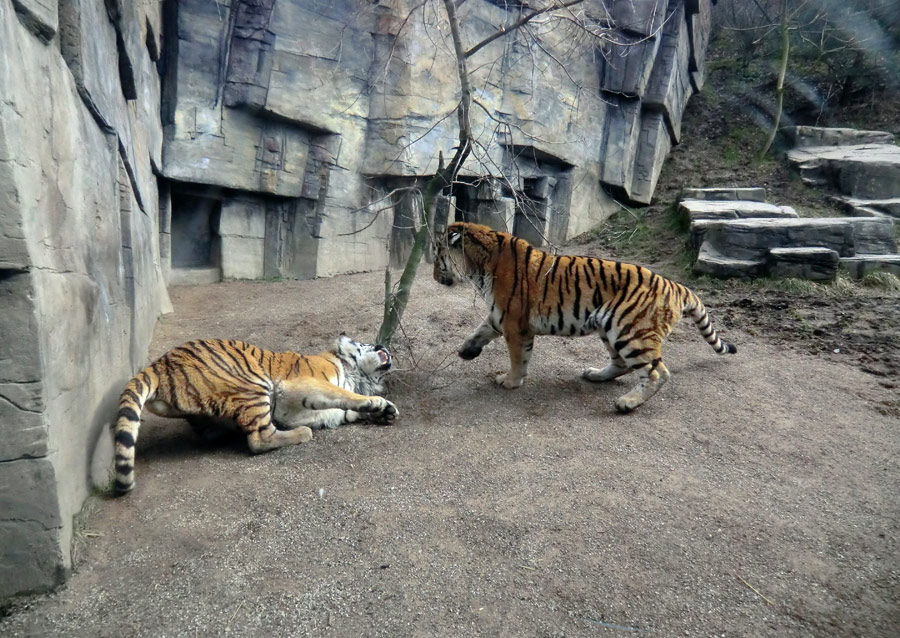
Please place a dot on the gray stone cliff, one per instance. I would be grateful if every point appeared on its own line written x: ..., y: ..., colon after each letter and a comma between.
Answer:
x: 80, y: 278
x: 296, y: 129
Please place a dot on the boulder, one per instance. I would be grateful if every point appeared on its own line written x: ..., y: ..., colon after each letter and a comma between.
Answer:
x: 813, y: 263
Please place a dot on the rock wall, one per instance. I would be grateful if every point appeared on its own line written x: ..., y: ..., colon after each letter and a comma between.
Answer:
x: 80, y: 279
x: 308, y: 123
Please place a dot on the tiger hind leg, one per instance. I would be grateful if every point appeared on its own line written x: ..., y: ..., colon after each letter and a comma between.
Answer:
x: 210, y: 430
x: 271, y: 438
x: 653, y: 376
x: 615, y: 369
x: 255, y: 419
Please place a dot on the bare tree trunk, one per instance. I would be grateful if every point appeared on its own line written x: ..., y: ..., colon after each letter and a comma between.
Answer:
x: 395, y: 303
x: 779, y: 87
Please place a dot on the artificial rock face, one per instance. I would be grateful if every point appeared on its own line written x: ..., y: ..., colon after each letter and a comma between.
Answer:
x: 80, y: 278
x: 311, y: 122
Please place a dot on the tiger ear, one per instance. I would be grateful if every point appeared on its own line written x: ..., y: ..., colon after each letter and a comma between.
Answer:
x: 344, y: 345
x: 454, y: 238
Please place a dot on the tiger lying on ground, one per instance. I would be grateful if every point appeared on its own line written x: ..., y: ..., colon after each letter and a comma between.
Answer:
x: 530, y: 292
x: 276, y: 398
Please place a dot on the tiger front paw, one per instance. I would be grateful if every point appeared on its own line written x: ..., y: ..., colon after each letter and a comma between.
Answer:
x: 628, y: 402
x: 387, y: 416
x: 469, y: 351
x: 505, y: 381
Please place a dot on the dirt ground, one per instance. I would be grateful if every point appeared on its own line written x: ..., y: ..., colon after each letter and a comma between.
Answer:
x: 756, y: 495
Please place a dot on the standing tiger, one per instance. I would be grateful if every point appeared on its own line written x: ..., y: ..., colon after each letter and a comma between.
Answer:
x: 530, y: 292
x: 275, y: 398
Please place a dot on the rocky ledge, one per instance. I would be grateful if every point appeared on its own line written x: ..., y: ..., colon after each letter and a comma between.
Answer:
x: 747, y: 238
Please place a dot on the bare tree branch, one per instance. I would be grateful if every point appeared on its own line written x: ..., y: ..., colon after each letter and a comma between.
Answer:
x: 518, y: 23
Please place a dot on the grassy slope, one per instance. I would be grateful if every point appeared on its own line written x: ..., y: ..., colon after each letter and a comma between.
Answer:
x: 720, y: 140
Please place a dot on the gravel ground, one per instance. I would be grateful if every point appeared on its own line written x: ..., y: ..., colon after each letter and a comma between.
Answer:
x: 756, y: 495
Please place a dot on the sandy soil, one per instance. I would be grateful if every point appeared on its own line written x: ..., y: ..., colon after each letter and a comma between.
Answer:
x: 756, y: 495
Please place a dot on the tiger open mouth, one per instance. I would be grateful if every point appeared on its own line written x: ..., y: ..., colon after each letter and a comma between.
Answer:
x: 384, y: 358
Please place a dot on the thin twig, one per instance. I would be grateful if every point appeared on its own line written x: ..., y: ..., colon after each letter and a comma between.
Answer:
x: 755, y: 590
x: 228, y: 626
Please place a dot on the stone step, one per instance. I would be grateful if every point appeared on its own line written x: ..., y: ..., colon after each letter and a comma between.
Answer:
x: 195, y: 276
x: 712, y: 262
x: 805, y: 136
x: 861, y: 265
x: 889, y: 207
x: 864, y: 171
x: 703, y: 209
x: 814, y: 263
x: 865, y: 211
x: 754, y: 194
x: 753, y: 238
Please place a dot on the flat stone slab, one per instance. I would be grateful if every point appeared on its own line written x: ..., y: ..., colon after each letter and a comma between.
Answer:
x: 805, y: 136
x: 753, y: 238
x: 866, y: 211
x: 194, y: 276
x: 889, y: 206
x: 813, y: 263
x: 860, y: 153
x: 865, y: 171
x: 713, y: 263
x: 754, y: 194
x: 702, y: 209
x: 859, y: 266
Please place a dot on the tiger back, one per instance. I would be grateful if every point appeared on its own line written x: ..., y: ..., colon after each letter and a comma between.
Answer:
x: 275, y: 398
x: 530, y: 292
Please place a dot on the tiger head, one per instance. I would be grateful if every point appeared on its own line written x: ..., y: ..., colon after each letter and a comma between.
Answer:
x: 461, y: 253
x: 372, y: 361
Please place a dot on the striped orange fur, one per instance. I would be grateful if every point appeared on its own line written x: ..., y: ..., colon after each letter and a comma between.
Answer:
x: 530, y: 292
x: 275, y: 398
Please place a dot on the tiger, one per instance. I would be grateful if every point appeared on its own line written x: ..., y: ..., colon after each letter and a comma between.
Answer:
x: 275, y: 398
x: 530, y: 292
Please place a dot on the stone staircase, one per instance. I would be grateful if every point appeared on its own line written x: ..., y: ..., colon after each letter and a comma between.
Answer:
x: 736, y: 233
x: 862, y: 165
